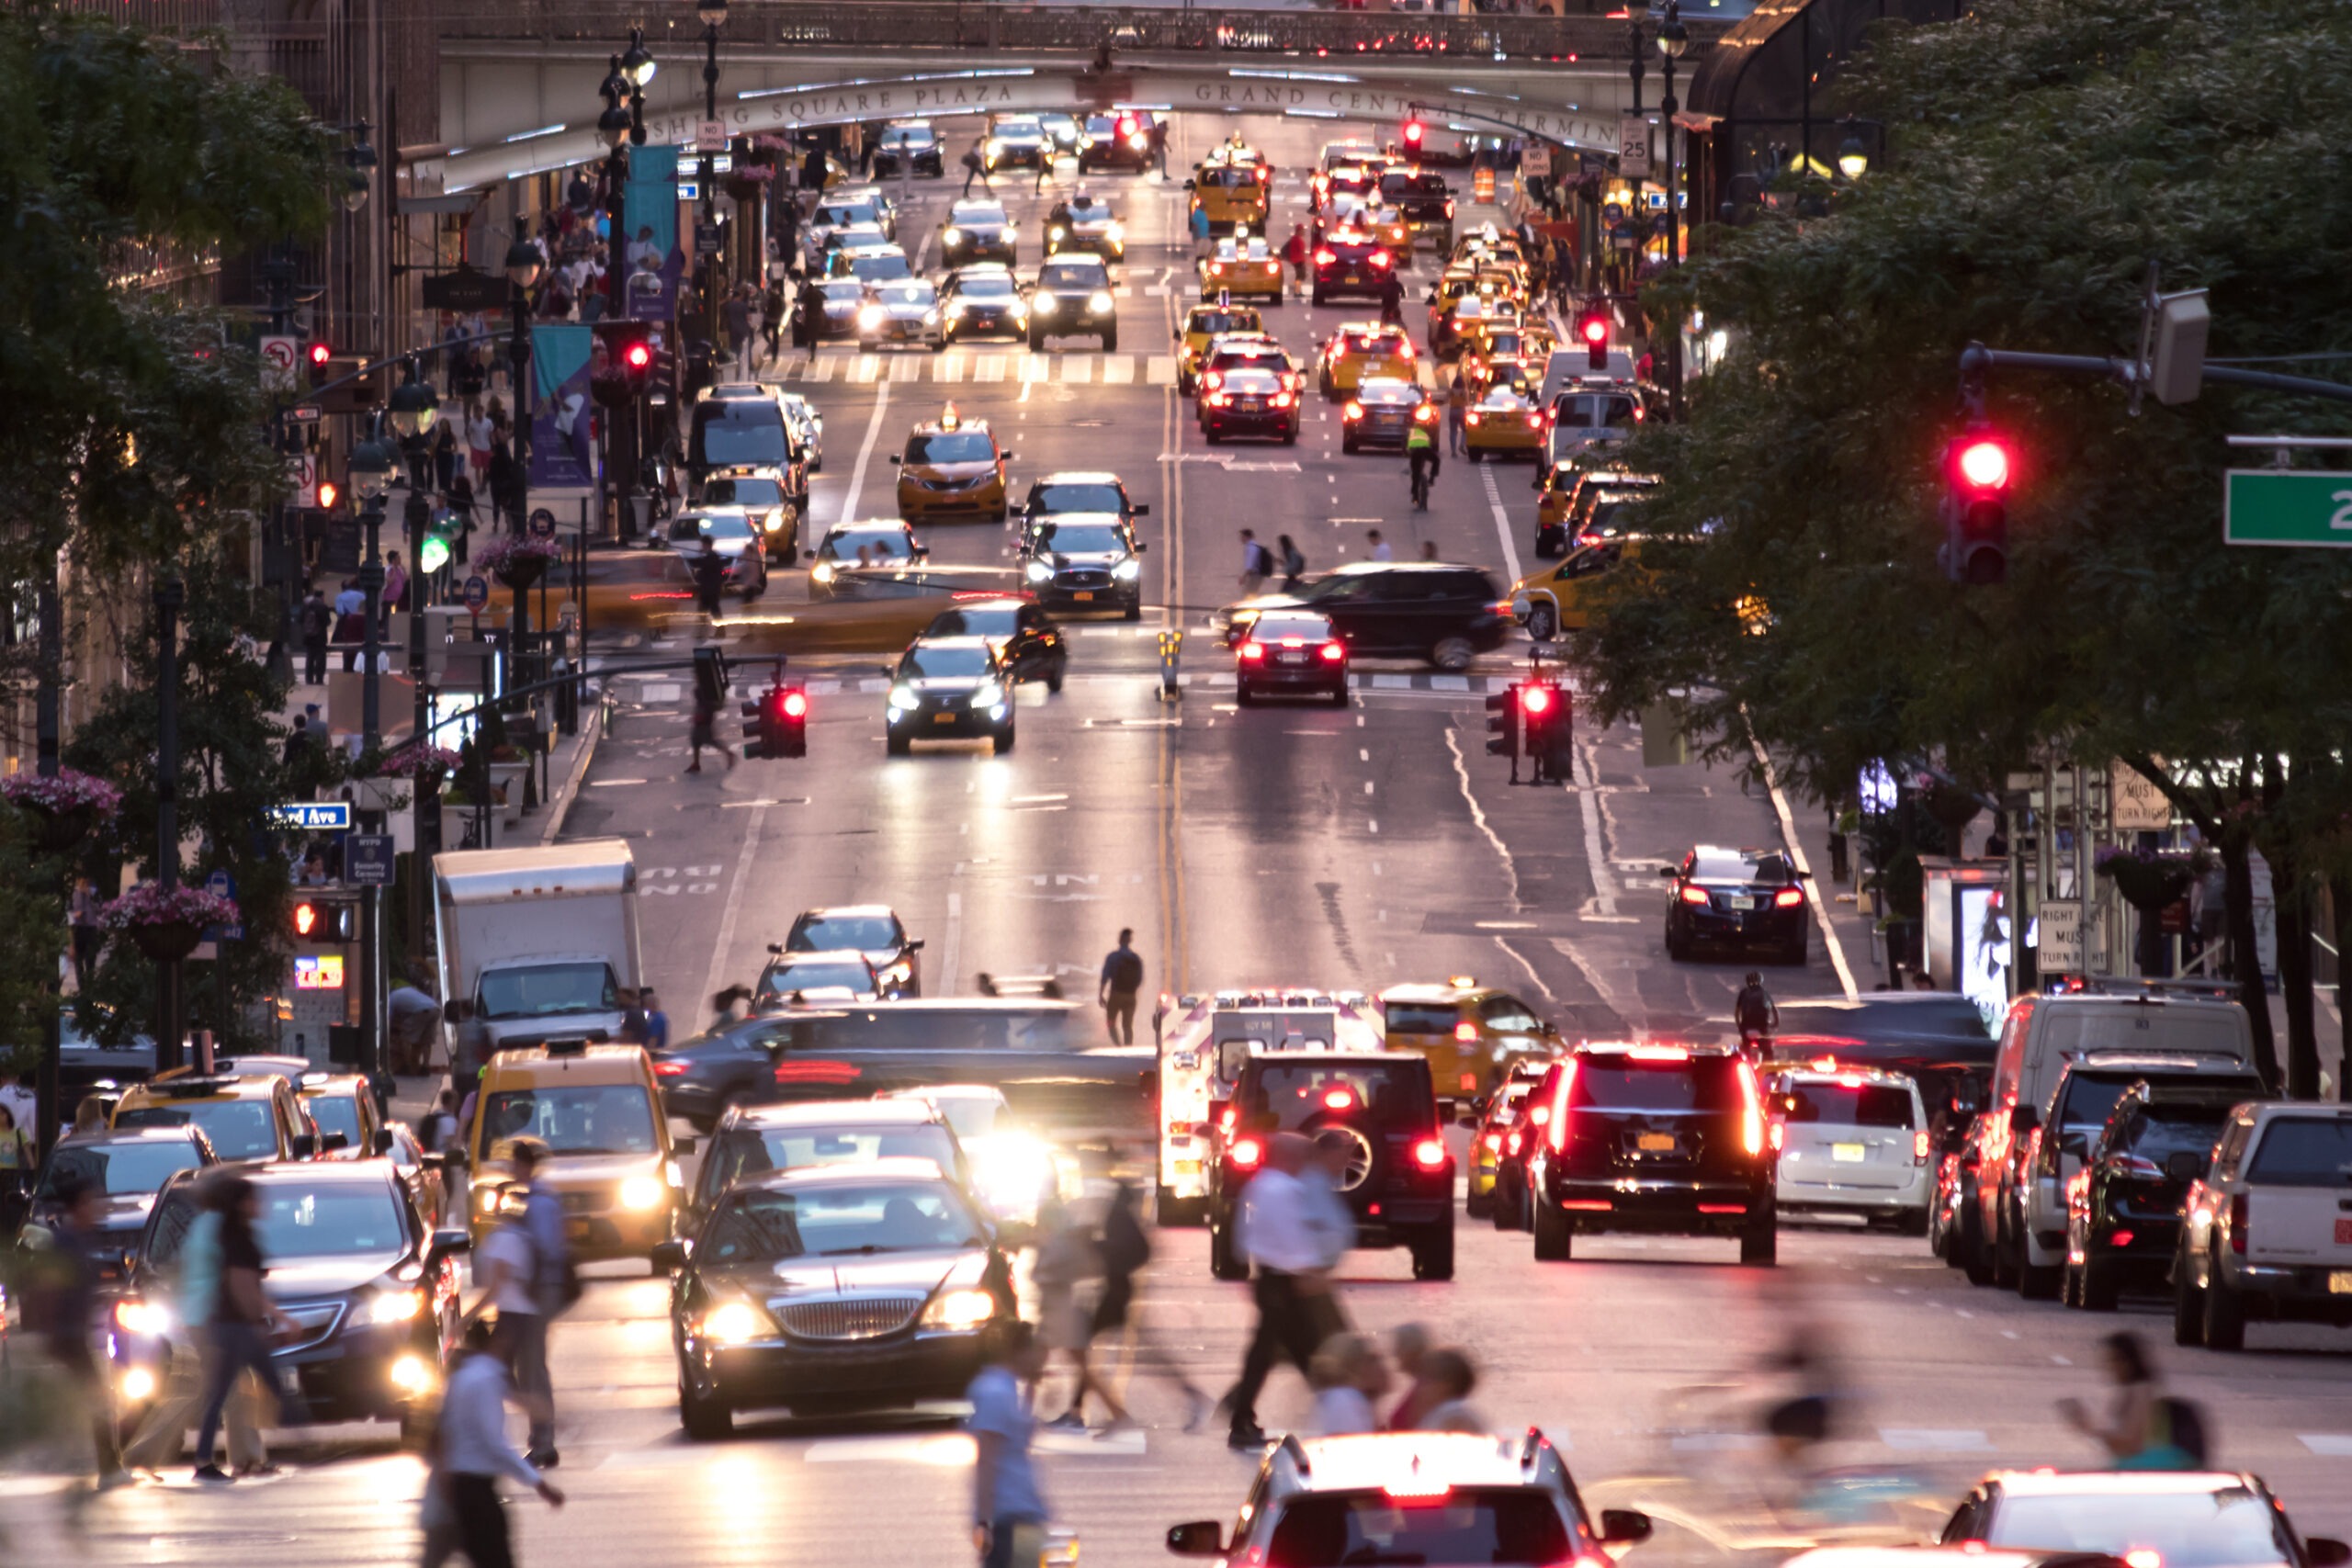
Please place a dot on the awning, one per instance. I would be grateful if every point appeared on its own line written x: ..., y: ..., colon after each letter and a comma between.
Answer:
x: 456, y: 201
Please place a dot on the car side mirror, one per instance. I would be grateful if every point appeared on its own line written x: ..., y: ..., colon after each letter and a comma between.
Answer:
x: 2024, y: 1118
x: 383, y: 1140
x: 1006, y: 455
x: 304, y: 1145
x: 1188, y: 185
x: 2184, y: 1165
x: 433, y: 1159
x: 332, y: 1142
x: 1142, y: 511
x: 2321, y: 1552
x: 450, y: 1243
x: 669, y: 1256
x: 894, y: 460
x: 1141, y: 547
x: 682, y: 1146
x: 914, y: 947
x: 1623, y: 1527
x: 1205, y: 1537
x: 1665, y: 870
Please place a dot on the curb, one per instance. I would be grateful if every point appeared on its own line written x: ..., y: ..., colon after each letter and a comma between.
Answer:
x: 559, y: 808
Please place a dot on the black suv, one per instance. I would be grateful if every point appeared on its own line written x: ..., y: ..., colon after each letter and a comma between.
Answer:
x: 1737, y: 897
x: 2123, y: 1218
x: 1072, y: 298
x: 1377, y: 1110
x: 1446, y: 615
x: 1657, y: 1139
x: 1424, y: 200
x: 1350, y: 262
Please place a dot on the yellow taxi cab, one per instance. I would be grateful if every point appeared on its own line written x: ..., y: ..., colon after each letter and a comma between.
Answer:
x: 1560, y: 598
x: 1242, y: 263
x: 1477, y: 318
x: 1445, y: 294
x: 256, y: 1118
x: 1473, y: 1034
x: 1361, y: 352
x: 1234, y: 186
x: 610, y: 1160
x: 1501, y: 1130
x: 1390, y: 226
x: 1502, y: 423
x: 951, y: 466
x: 1504, y: 355
x: 1589, y: 507
x: 1483, y: 242
x: 344, y: 1109
x: 1204, y: 321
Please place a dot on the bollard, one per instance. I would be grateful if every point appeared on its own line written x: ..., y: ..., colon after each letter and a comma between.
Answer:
x: 1172, y: 646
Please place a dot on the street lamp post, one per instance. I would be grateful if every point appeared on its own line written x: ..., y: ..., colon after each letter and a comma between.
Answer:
x: 171, y: 594
x: 616, y: 125
x: 1673, y: 39
x: 713, y: 13
x: 372, y: 462
x: 523, y: 264
x: 413, y: 409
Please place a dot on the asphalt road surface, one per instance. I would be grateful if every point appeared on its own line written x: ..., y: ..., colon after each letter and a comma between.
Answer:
x: 1354, y: 848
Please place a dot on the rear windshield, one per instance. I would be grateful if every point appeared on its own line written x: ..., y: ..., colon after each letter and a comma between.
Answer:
x: 742, y: 433
x: 1223, y: 321
x: 751, y: 1151
x: 1084, y: 496
x: 1850, y: 1105
x: 2157, y: 1132
x: 2304, y: 1151
x: 1591, y: 411
x: 1396, y: 1093
x: 1628, y: 1083
x: 1397, y: 186
x: 1466, y: 1525
x: 743, y: 492
x: 831, y: 934
x: 114, y: 1168
x: 2229, y: 1528
x: 2131, y: 1026
x: 2090, y: 1099
x: 951, y: 447
x: 240, y: 1128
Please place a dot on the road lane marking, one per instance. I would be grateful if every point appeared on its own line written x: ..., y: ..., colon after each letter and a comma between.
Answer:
x: 865, y: 453
x: 611, y: 783
x: 2330, y: 1445
x: 1935, y: 1440
x: 1604, y: 885
x: 1478, y: 816
x: 716, y: 980
x: 1796, y: 852
x: 1502, y: 521
x: 951, y: 947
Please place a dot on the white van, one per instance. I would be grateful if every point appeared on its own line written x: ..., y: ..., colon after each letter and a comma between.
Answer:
x: 2041, y: 1036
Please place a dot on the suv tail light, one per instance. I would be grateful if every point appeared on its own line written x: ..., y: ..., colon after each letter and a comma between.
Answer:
x: 669, y: 1069
x: 2241, y: 1222
x: 1920, y: 1147
x: 1254, y: 652
x: 1788, y: 898
x: 1557, y: 1132
x: 1326, y: 256
x: 1751, y: 1110
x: 1245, y: 1153
x: 1430, y: 1153
x: 1694, y: 894
x: 1333, y: 652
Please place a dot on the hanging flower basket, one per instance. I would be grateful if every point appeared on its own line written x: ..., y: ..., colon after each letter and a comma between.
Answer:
x: 166, y: 925
x: 2148, y: 882
x: 420, y: 761
x: 749, y: 181
x: 518, y: 560
x: 62, y: 810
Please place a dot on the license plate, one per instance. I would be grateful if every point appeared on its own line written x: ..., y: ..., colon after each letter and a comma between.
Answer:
x: 943, y: 719
x: 1655, y: 1143
x: 1247, y: 405
x: 2339, y: 1281
x: 1735, y: 903
x: 1290, y: 658
x: 1848, y: 1154
x: 1083, y: 593
x: 1188, y: 1167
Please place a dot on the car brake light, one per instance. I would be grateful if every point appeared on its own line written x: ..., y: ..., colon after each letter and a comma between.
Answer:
x: 1254, y: 652
x: 2144, y: 1557
x: 1723, y: 1208
x: 1282, y: 400
x: 1425, y: 414
x: 1540, y: 1114
x: 1224, y: 1119
x: 1465, y: 1032
x: 1333, y: 652
x: 1381, y: 258
x: 1326, y: 257
x: 1535, y: 422
x: 668, y: 1069
x: 1494, y: 1140
x: 1354, y: 411
x: 1472, y: 417
x: 1558, y: 1136
x: 1246, y: 1152
x: 1218, y: 269
x: 1338, y: 1100
x: 1751, y: 1109
x: 1219, y: 399
x: 1430, y: 1153
x: 2241, y: 1222
x: 1778, y: 1137
x: 1920, y: 1147
x: 1265, y: 174
x: 1512, y: 1146
x: 1694, y: 894
x: 1216, y: 379
x: 2120, y: 1238
x: 1788, y: 898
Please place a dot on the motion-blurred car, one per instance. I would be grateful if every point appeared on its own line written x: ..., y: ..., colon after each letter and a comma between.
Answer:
x: 848, y: 548
x: 978, y: 231
x: 870, y: 263
x: 1027, y: 643
x: 126, y: 1167
x: 753, y: 1138
x: 2185, y: 1517
x: 1121, y: 140
x: 790, y: 979
x: 984, y: 299
x: 1011, y: 1170
x: 910, y: 142
x: 1014, y: 141
x: 765, y: 496
x: 903, y: 312
x: 949, y: 689
x: 731, y: 536
x: 1433, y: 610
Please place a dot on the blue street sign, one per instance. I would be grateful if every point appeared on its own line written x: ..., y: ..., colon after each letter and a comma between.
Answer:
x: 313, y: 816
x: 477, y: 592
x: 220, y: 885
x: 368, y: 860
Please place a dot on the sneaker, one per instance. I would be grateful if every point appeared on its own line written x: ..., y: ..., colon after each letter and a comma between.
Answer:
x: 544, y: 1458
x: 245, y: 1472
x: 1068, y: 1421
x: 1250, y: 1437
x: 213, y: 1472
x: 694, y: 767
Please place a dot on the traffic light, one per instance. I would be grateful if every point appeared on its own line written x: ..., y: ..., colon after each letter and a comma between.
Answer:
x: 776, y: 723
x: 1502, y: 724
x: 629, y: 363
x: 1547, y: 715
x: 1593, y: 327
x: 325, y: 919
x: 1977, y: 467
x: 328, y: 493
x: 710, y: 676
x: 439, y: 543
x: 319, y: 352
x: 1414, y: 131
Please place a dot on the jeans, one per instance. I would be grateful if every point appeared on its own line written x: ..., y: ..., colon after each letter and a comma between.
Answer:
x: 521, y: 1340
x: 314, y: 662
x: 236, y: 1348
x: 1119, y: 1014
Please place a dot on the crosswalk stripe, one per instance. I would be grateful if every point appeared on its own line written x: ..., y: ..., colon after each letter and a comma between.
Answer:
x: 948, y: 367
x: 906, y: 370
x: 1124, y: 291
x: 1119, y: 370
x: 989, y: 368
x: 1159, y: 370
x: 819, y: 369
x: 1077, y: 370
x: 868, y: 369
x: 1036, y: 367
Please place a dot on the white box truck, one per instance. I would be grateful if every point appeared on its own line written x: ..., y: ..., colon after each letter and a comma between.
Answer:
x: 542, y: 940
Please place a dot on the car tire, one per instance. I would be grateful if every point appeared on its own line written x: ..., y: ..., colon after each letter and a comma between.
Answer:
x: 417, y: 1430
x: 1053, y: 676
x: 1224, y: 1262
x: 1243, y: 696
x: 1036, y: 341
x: 2004, y: 1259
x: 1168, y: 1209
x: 1347, y: 445
x: 1183, y: 385
x: 2095, y: 1286
x: 1434, y: 1255
x: 2224, y: 1316
x: 1793, y: 956
x: 1476, y: 1206
x: 1677, y: 948
x: 1110, y: 342
x: 1760, y: 1244
x: 1976, y: 1256
x: 1339, y: 697
x: 1289, y: 437
x: 1001, y: 742
x: 704, y: 1420
x: 1554, y: 1242
x: 1317, y: 295
x: 1504, y: 1211
x: 1133, y: 611
x: 1452, y: 654
x: 1543, y: 623
x: 897, y: 745
x: 2187, y: 1305
x: 2037, y: 1281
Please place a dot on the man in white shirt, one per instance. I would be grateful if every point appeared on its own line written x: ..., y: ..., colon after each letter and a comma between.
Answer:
x: 1287, y: 1231
x: 471, y: 1450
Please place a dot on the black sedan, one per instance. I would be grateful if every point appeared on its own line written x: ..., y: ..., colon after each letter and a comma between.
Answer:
x: 1070, y: 490
x: 836, y: 1287
x: 1250, y: 403
x: 1027, y: 640
x: 1291, y: 655
x: 371, y: 1288
x: 1751, y: 898
x: 754, y: 1140
x: 128, y: 1166
x: 1383, y: 411
x: 874, y: 929
x: 983, y: 300
x: 950, y: 688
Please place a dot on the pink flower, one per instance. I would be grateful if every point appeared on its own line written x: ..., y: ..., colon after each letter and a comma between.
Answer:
x: 69, y: 791
x: 148, y: 905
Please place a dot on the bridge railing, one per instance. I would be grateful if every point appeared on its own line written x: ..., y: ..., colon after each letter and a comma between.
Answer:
x: 944, y: 27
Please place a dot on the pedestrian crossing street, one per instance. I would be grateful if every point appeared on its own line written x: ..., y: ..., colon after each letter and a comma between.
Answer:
x: 956, y: 365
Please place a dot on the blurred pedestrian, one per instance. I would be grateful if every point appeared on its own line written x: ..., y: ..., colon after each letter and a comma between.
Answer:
x: 1457, y: 413
x: 1284, y: 1232
x: 69, y: 1280
x: 470, y: 1048
x: 414, y: 1019
x: 1380, y: 550
x: 1123, y: 1250
x: 89, y: 1118
x: 471, y: 1451
x: 1008, y: 1507
x: 243, y: 1318
x: 708, y: 569
x: 1409, y: 1347
x: 529, y: 1280
x: 1347, y: 1374
x: 702, y: 731
x: 975, y: 166
x: 1255, y: 563
x: 1120, y: 981
x: 316, y: 622
x: 1450, y: 1378
x: 632, y: 1018
x: 1293, y: 563
x: 195, y: 1284
x: 656, y: 1022
x: 23, y: 1106
x: 1066, y: 1258
x: 2142, y: 1429
x: 737, y: 315
x: 1198, y: 223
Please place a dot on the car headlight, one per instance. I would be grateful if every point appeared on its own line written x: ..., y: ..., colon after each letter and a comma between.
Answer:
x: 736, y: 1323
x: 1055, y: 232
x: 931, y: 318
x: 903, y: 697
x: 1043, y: 304
x: 1040, y: 573
x: 135, y: 1317
x: 1100, y: 302
x: 1127, y: 570
x: 1020, y: 312
x: 988, y: 695
x: 390, y: 1307
x: 1111, y: 230
x: 870, y: 319
x: 966, y: 1308
x: 960, y: 308
x: 996, y: 148
x: 486, y: 1198
x: 822, y: 572
x: 640, y: 1193
x: 899, y: 974
x: 774, y: 519
x: 138, y: 1385
x: 411, y: 1375
x: 953, y: 236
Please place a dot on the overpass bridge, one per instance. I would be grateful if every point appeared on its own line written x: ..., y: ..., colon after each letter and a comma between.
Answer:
x: 519, y: 82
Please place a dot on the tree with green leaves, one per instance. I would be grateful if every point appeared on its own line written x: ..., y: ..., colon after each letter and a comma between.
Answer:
x: 2042, y: 154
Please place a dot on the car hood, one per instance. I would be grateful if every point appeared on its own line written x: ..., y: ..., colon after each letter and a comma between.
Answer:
x: 949, y: 470
x: 990, y: 230
x: 945, y: 685
x: 298, y: 1279
x: 1083, y: 558
x: 908, y: 1273
x: 840, y: 308
x: 907, y: 310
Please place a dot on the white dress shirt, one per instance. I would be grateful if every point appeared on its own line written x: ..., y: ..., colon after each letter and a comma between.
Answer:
x: 473, y: 1423
x: 1292, y: 1225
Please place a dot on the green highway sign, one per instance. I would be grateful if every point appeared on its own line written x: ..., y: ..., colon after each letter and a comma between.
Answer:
x: 2282, y: 506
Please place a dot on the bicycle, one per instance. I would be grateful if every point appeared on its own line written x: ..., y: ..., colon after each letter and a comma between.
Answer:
x: 1420, y: 480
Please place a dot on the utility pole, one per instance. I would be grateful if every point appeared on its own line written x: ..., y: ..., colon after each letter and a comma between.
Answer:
x: 46, y: 1113
x: 171, y: 594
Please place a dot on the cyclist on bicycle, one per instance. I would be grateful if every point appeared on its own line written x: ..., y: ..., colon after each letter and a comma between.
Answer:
x: 1755, y: 1014
x: 1420, y: 455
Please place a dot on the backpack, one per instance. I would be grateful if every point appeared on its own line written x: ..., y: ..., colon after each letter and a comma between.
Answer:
x: 1124, y: 1247
x: 555, y: 1280
x: 2183, y: 1422
x: 1126, y: 972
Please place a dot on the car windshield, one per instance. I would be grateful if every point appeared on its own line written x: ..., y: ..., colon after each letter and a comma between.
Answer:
x: 2304, y: 1151
x: 692, y: 530
x: 944, y: 660
x: 987, y: 286
x: 977, y: 213
x: 1289, y: 1096
x: 336, y: 1113
x: 1460, y: 1528
x: 743, y: 492
x: 1668, y: 1084
x: 951, y: 447
x: 238, y: 1129
x: 742, y: 434
x: 1070, y: 274
x: 831, y: 973
x: 571, y: 1119
x: 878, y: 266
x: 543, y: 990
x: 2156, y: 1133
x: 764, y: 1226
x: 873, y: 541
x: 114, y: 1168
x: 1850, y: 1105
x: 2136, y: 1027
x: 328, y: 1219
x: 752, y: 1151
x: 1311, y: 628
x: 1090, y: 211
x: 831, y: 934
x: 1089, y: 495
x: 843, y: 291
x: 1017, y: 125
x: 1085, y: 538
x: 1420, y: 1018
x: 908, y: 135
x: 976, y: 623
x: 913, y: 291
x: 1769, y: 867
x: 2229, y: 1527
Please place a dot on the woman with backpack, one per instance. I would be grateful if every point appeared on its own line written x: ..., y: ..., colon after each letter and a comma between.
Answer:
x: 2145, y: 1429
x: 1293, y: 563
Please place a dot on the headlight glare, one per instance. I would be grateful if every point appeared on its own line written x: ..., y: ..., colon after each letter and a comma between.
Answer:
x: 640, y: 1193
x: 734, y: 1322
x: 952, y: 235
x: 1100, y: 302
x: 959, y: 1309
x: 1127, y: 570
x: 1043, y: 304
x: 988, y: 696
x: 902, y: 697
x: 391, y: 1306
x: 1040, y: 573
x: 135, y: 1317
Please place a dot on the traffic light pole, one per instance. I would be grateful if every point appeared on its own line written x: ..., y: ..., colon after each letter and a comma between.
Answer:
x: 1976, y: 359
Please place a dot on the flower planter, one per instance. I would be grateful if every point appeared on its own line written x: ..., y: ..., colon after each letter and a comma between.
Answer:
x: 521, y: 571
x: 59, y: 832
x: 507, y: 778
x: 381, y: 794
x: 165, y: 941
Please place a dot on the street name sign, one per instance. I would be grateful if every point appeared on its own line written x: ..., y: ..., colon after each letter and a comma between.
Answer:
x: 2283, y: 506
x: 313, y: 816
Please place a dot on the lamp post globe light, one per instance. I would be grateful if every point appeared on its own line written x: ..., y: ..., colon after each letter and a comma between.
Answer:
x: 637, y: 64
x: 1853, y: 158
x: 359, y: 161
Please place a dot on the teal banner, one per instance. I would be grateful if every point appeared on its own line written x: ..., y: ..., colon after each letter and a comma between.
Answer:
x: 649, y: 212
x: 562, y: 455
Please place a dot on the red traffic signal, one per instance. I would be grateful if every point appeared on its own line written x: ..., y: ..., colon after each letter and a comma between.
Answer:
x: 1414, y: 131
x: 319, y: 351
x: 638, y: 356
x: 1978, y: 467
x: 1981, y: 463
x: 1593, y: 327
x: 1536, y: 700
x: 306, y: 919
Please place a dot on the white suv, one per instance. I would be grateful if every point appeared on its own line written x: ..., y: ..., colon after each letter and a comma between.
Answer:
x: 2269, y: 1233
x: 1854, y: 1140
